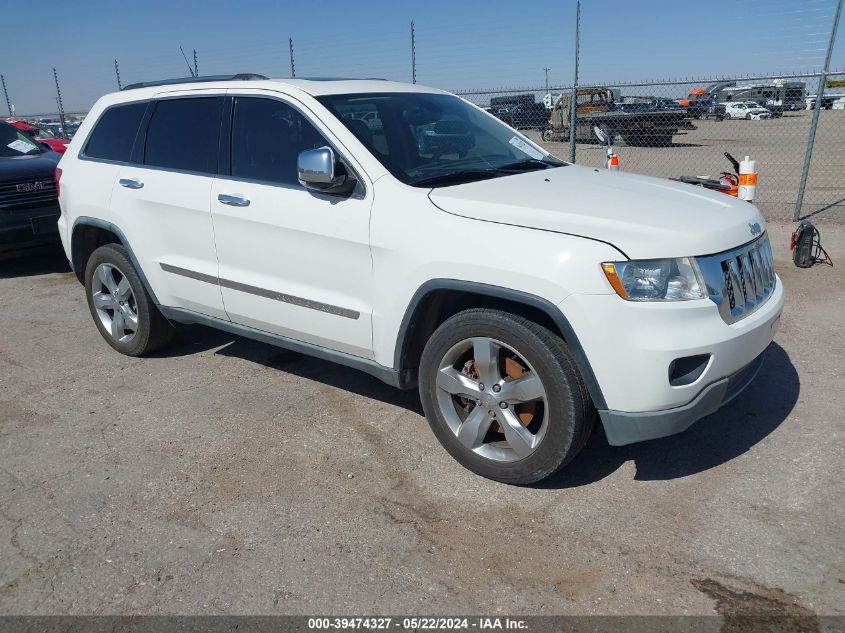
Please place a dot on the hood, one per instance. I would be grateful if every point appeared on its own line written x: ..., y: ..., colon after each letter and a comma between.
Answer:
x: 36, y: 166
x: 641, y: 216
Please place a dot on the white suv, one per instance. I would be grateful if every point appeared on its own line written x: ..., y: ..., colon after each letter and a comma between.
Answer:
x: 405, y: 232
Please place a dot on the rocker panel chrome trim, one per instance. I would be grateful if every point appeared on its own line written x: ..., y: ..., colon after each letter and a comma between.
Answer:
x: 263, y: 292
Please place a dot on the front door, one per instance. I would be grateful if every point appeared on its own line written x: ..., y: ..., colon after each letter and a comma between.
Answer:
x: 292, y: 262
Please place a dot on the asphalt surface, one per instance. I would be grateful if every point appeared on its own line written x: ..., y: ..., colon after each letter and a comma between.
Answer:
x: 227, y: 476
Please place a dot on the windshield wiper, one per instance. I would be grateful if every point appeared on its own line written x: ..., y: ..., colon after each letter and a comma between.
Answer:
x: 457, y: 177
x: 531, y: 164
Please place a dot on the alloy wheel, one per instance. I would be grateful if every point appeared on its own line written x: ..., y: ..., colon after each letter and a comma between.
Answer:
x: 492, y: 399
x: 114, y: 303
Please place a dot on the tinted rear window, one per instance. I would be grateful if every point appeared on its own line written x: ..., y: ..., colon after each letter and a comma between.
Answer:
x: 184, y: 134
x: 114, y: 133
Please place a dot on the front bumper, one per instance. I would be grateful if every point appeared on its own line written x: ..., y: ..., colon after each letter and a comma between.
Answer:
x: 626, y: 428
x: 631, y: 348
x: 23, y: 231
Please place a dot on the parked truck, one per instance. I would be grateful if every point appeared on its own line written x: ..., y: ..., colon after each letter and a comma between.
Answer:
x: 596, y: 107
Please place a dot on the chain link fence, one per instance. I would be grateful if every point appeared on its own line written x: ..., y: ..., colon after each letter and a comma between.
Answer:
x: 675, y: 129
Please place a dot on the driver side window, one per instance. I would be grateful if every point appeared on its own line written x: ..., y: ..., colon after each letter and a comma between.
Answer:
x: 267, y: 137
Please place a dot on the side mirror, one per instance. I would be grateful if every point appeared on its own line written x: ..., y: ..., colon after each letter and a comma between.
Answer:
x: 316, y: 170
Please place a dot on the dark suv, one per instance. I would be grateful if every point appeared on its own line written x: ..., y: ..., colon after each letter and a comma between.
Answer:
x: 29, y: 205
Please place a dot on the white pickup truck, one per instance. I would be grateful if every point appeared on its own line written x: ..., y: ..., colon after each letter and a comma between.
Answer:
x: 400, y: 230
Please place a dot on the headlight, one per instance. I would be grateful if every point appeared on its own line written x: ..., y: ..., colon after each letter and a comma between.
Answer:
x: 656, y: 279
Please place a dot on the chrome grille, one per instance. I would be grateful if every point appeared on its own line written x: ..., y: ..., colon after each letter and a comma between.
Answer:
x: 741, y: 280
x: 26, y: 192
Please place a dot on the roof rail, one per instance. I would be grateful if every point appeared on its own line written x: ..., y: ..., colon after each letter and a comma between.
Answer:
x: 188, y: 80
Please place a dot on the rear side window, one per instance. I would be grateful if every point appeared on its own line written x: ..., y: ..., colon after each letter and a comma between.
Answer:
x: 184, y: 134
x: 267, y: 137
x: 114, y: 133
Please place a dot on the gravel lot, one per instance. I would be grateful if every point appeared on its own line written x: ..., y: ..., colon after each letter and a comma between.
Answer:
x: 778, y: 146
x: 227, y: 476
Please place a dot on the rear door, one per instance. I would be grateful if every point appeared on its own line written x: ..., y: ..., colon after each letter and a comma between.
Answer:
x: 163, y: 200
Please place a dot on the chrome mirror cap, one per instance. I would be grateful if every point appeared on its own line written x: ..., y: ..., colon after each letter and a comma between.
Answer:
x: 316, y: 169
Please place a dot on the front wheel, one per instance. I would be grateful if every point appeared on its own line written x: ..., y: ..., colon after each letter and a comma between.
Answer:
x: 747, y: 117
x: 504, y: 396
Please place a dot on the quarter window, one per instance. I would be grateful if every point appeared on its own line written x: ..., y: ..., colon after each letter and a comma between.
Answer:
x: 114, y: 134
x: 267, y: 137
x: 184, y: 134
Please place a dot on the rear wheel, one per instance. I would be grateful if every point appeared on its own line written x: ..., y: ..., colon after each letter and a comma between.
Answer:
x: 727, y: 115
x: 503, y: 396
x: 122, y: 309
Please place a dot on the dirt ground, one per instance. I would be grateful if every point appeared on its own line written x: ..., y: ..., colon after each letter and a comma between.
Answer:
x: 227, y: 476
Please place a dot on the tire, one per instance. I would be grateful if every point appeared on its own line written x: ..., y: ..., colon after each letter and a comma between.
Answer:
x: 535, y: 435
x: 727, y: 116
x: 119, y: 302
x: 547, y: 135
x: 747, y: 117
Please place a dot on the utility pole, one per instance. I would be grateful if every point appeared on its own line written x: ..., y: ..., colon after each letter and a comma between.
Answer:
x: 413, y: 54
x: 292, y: 66
x: 6, y: 92
x: 196, y: 66
x: 805, y: 172
x: 59, y: 102
x: 573, y: 104
x: 117, y: 73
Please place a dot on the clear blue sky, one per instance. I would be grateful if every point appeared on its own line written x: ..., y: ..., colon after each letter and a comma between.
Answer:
x: 461, y: 44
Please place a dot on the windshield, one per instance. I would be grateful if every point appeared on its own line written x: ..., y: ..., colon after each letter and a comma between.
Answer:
x: 13, y: 142
x: 435, y: 140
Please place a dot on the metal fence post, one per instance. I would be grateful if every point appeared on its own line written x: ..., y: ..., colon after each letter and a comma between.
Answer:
x: 817, y: 106
x: 573, y: 104
x: 59, y: 102
x: 292, y: 67
x: 413, y: 54
x: 6, y: 92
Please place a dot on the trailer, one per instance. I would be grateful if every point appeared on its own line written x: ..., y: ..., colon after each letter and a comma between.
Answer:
x: 653, y: 124
x: 788, y: 95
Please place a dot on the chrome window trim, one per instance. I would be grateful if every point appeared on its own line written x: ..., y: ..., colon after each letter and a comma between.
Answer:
x: 310, y: 304
x: 355, y: 171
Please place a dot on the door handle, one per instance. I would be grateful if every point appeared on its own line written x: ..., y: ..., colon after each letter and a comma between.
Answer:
x: 233, y: 201
x: 130, y: 183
